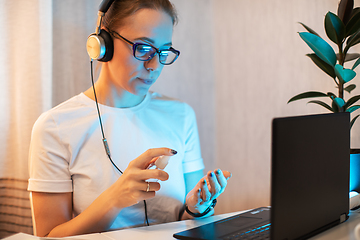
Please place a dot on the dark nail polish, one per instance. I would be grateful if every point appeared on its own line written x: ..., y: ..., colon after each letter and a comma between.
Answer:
x: 173, y: 151
x: 211, y: 174
x: 204, y: 181
x: 218, y: 171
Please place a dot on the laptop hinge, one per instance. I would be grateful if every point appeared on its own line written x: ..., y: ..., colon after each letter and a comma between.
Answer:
x: 342, y: 218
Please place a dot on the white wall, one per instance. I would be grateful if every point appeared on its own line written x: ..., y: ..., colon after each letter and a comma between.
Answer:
x: 240, y: 62
x: 260, y: 64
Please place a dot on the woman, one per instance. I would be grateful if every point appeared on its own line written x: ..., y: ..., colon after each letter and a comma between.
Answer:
x: 75, y: 188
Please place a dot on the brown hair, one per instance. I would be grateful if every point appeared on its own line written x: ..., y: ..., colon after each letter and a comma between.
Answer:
x: 121, y: 9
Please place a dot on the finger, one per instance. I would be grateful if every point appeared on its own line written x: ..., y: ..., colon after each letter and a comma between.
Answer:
x: 152, y: 162
x: 144, y: 159
x: 205, y: 193
x: 215, y: 187
x: 147, y: 174
x: 194, y: 197
x: 151, y: 186
x: 227, y: 174
x: 140, y: 186
x: 143, y: 195
x: 221, y: 178
x: 198, y: 195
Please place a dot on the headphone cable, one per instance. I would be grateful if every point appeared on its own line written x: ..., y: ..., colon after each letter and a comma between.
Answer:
x: 107, y: 149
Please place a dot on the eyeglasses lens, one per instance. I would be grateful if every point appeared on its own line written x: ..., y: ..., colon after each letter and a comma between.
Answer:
x: 147, y: 52
x: 144, y: 52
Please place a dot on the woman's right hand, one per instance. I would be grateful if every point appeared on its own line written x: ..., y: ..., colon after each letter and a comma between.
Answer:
x: 131, y: 187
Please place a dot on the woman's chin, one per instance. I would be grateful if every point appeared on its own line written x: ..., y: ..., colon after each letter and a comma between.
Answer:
x: 141, y: 91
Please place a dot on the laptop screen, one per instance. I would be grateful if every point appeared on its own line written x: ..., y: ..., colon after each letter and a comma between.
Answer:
x: 310, y: 173
x: 310, y: 183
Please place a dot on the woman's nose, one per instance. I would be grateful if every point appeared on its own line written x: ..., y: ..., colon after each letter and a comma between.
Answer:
x: 153, y: 64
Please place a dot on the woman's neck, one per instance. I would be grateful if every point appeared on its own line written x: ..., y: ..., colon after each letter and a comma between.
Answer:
x: 113, y: 97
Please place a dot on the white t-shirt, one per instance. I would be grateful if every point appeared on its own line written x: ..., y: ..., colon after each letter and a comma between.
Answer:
x: 67, y: 153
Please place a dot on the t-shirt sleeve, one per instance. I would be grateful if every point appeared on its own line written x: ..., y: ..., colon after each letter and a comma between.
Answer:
x: 48, y: 158
x: 192, y: 160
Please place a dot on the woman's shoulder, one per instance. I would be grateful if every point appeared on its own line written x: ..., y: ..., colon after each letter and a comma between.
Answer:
x: 68, y: 110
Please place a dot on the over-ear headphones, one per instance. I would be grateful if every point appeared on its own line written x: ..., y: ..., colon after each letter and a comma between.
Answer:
x: 100, y: 44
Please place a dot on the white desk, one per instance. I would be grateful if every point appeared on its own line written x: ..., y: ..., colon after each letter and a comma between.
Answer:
x: 344, y: 231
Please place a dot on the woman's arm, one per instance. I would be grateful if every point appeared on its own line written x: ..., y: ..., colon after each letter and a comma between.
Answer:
x: 53, y: 211
x: 56, y: 205
x: 53, y: 215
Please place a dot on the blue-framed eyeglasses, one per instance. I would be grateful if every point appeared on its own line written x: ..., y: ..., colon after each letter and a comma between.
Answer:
x: 145, y: 52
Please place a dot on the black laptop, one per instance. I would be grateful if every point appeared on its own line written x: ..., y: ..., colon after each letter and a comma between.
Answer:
x: 309, y: 183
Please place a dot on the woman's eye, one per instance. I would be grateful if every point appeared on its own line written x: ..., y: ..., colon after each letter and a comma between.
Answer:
x: 164, y: 53
x: 144, y: 49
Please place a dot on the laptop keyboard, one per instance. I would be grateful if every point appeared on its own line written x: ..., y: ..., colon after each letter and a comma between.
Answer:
x: 260, y: 232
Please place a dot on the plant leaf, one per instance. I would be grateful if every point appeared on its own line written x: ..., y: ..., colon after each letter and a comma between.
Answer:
x: 353, y: 108
x: 344, y: 10
x: 356, y: 64
x: 328, y: 69
x: 349, y: 57
x: 307, y: 95
x: 345, y: 75
x: 355, y: 11
x: 334, y: 27
x: 322, y: 104
x: 331, y: 95
x: 350, y: 88
x: 352, y: 41
x: 321, y: 48
x: 340, y: 102
x: 351, y: 101
x: 335, y: 107
x: 309, y: 29
x: 353, y: 121
x: 353, y: 25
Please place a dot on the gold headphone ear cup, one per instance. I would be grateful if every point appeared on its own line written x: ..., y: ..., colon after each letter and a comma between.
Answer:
x: 95, y: 46
x: 100, y: 47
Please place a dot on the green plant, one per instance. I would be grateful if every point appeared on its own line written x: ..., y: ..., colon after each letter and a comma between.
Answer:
x: 344, y: 30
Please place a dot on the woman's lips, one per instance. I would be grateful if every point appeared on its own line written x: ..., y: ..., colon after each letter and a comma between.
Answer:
x: 146, y: 81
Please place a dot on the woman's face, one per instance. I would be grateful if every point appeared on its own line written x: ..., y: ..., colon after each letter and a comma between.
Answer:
x: 147, y: 26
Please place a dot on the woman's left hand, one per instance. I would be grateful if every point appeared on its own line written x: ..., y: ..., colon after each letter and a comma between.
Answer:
x: 206, y: 190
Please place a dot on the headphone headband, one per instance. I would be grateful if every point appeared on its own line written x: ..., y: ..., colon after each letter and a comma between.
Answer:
x: 105, y: 5
x: 100, y: 45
